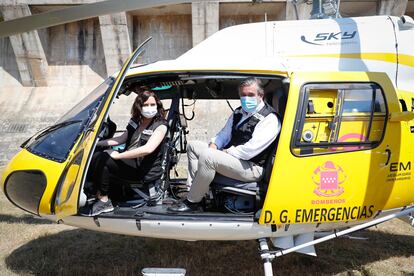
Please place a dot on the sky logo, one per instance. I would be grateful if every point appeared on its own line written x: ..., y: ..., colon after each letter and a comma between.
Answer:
x: 320, y: 38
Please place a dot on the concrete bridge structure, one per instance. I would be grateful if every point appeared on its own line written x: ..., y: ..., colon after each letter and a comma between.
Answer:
x: 45, y: 72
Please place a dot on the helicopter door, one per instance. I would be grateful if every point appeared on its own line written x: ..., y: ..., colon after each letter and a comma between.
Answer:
x: 335, y: 149
x: 68, y: 189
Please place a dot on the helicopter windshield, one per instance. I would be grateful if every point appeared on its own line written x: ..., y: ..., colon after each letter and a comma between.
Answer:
x: 88, y: 104
x: 55, y: 142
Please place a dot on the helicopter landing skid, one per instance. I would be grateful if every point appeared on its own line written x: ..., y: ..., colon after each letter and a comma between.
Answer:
x: 266, y: 256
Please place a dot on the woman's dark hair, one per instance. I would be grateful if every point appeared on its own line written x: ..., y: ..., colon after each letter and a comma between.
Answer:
x: 143, y: 95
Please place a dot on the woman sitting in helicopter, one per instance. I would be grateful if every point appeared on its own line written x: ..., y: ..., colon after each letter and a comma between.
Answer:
x: 141, y: 159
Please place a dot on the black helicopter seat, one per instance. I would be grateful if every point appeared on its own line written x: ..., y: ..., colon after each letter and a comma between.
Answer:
x: 234, y: 195
x: 231, y: 185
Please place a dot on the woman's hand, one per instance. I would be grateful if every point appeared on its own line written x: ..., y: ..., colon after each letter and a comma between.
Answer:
x: 115, y: 141
x: 114, y: 154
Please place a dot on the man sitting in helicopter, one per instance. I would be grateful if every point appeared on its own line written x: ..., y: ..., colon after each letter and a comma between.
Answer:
x: 141, y: 159
x: 238, y: 151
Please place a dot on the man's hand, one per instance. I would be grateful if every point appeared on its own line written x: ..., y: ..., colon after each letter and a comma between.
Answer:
x: 212, y: 146
x: 113, y: 153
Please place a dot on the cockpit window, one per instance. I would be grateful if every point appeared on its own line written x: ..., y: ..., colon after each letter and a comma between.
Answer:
x: 55, y: 142
x: 339, y: 117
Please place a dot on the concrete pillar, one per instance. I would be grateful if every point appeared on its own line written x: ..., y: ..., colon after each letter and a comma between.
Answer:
x: 392, y: 7
x: 205, y: 20
x: 116, y: 40
x: 130, y: 26
x: 299, y: 11
x: 30, y: 56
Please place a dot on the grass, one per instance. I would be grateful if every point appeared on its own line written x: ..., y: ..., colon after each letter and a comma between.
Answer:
x: 32, y: 246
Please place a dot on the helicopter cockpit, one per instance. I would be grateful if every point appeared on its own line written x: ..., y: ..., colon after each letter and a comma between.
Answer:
x: 180, y: 93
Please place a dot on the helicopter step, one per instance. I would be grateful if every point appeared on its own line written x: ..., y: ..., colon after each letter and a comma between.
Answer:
x: 290, y: 241
x: 155, y: 271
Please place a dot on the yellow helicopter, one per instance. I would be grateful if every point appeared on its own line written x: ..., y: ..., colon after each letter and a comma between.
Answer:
x: 343, y: 158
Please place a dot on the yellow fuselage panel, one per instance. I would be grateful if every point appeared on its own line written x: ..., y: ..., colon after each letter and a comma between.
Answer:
x: 335, y: 184
x: 26, y: 161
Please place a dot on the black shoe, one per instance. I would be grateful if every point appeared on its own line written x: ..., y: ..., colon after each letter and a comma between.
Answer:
x: 186, y: 207
x: 97, y: 208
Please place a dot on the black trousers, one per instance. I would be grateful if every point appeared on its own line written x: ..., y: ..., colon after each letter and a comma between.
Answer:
x: 103, y: 168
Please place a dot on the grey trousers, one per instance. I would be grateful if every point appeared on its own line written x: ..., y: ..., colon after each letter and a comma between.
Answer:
x: 204, y: 162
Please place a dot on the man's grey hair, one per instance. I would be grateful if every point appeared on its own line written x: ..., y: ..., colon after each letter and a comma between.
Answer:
x: 251, y: 81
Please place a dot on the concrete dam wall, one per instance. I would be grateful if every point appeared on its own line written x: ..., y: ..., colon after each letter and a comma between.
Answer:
x: 74, y: 53
x: 78, y: 61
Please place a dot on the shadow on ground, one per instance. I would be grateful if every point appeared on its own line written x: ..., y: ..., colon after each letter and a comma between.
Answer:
x: 75, y: 252
x: 25, y: 219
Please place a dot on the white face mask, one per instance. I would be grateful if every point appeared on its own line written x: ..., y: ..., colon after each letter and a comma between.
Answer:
x: 149, y: 111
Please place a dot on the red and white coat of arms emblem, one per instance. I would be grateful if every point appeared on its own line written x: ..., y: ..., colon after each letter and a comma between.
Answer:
x: 328, y: 177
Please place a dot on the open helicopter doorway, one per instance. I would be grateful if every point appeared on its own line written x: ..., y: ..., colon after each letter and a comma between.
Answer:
x: 191, y: 101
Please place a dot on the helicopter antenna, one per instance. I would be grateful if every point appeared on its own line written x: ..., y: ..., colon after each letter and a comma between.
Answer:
x: 337, y: 14
x: 317, y: 10
x: 325, y: 9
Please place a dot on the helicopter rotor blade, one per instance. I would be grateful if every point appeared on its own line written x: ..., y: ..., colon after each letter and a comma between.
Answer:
x: 76, y: 13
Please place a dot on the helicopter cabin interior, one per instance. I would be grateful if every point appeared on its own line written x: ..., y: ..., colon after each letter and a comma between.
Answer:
x: 178, y: 91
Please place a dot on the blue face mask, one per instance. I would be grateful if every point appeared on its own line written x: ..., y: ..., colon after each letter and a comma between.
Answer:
x: 248, y: 104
